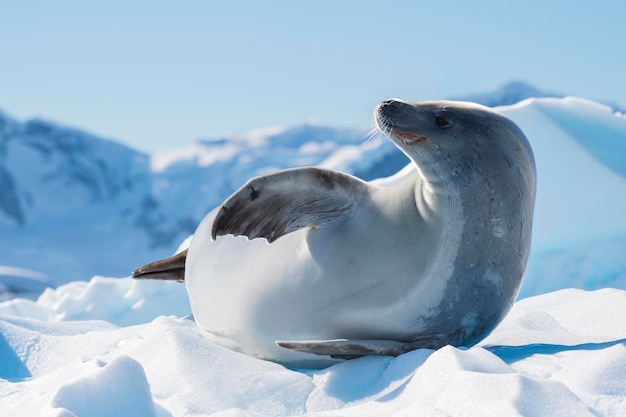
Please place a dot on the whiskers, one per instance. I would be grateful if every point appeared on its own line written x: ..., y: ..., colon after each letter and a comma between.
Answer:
x: 375, y: 135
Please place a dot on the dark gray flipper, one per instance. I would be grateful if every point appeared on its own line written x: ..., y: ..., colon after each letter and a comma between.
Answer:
x: 274, y: 205
x: 170, y: 269
x: 348, y: 349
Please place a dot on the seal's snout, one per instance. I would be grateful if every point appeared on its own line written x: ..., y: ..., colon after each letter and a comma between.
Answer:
x: 393, y: 113
x: 400, y: 121
x: 391, y: 108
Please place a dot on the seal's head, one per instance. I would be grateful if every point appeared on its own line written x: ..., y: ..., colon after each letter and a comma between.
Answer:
x: 448, y: 138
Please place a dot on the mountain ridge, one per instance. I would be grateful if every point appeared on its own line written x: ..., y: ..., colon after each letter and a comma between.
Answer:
x: 516, y: 91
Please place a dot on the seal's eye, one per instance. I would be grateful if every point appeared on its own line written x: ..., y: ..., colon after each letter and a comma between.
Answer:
x: 441, y: 121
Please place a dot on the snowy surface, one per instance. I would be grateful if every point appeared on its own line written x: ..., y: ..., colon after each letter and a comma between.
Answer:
x: 558, y: 354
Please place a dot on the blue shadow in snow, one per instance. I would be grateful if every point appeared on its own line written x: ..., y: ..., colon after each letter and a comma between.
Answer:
x: 11, y: 366
x: 512, y: 354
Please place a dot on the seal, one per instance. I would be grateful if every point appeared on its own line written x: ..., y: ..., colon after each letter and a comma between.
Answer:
x: 307, y: 264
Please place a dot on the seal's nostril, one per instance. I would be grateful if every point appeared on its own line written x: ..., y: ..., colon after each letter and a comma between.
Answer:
x: 391, y: 103
x: 390, y: 107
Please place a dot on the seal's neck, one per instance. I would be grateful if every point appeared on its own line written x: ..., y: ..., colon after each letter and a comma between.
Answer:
x: 432, y: 194
x: 435, y: 194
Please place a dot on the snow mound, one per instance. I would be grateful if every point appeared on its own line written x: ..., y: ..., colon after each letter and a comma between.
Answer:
x: 123, y: 302
x: 558, y: 354
x: 579, y: 227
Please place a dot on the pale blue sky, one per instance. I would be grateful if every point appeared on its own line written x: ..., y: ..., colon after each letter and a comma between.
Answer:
x: 157, y: 75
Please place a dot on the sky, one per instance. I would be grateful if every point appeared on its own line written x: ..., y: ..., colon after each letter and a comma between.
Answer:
x: 158, y: 75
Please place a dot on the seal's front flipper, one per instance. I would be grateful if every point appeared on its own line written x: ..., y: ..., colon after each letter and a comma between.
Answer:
x: 274, y: 205
x: 348, y: 349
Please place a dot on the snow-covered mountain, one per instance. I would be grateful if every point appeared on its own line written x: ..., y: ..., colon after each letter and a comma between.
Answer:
x: 515, y: 91
x: 74, y: 205
x: 507, y: 94
x: 71, y: 202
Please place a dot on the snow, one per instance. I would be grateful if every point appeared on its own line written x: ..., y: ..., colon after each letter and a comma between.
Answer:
x: 115, y: 346
x: 200, y: 155
x: 507, y: 94
x: 121, y: 301
x: 558, y: 354
x: 599, y: 191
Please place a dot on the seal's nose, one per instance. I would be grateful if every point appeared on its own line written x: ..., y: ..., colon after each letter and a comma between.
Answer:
x: 392, y: 108
x: 389, y: 106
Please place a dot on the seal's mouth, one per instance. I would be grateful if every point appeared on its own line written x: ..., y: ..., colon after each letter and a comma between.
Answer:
x: 407, y: 138
x: 410, y: 137
x: 395, y: 133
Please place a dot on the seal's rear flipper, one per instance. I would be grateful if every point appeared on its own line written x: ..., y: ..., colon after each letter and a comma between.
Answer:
x: 274, y: 205
x: 348, y: 349
x: 170, y: 269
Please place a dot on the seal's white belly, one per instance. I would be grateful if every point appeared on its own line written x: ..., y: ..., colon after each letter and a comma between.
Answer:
x: 369, y: 281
